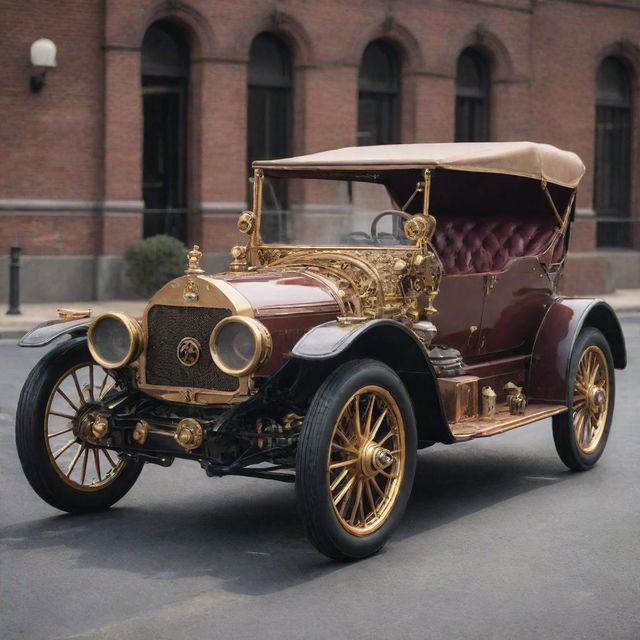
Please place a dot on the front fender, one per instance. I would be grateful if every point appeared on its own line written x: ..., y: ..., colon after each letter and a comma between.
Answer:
x: 47, y: 332
x: 390, y: 342
x: 553, y: 346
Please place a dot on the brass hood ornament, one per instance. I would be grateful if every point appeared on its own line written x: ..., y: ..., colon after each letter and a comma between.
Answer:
x: 194, y: 261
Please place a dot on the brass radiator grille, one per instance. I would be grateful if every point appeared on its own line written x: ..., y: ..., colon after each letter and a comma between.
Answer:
x: 168, y: 325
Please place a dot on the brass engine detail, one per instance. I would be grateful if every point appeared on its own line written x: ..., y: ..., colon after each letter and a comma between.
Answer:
x: 246, y: 222
x: 516, y: 400
x: 420, y: 228
x: 429, y: 310
x: 279, y: 435
x: 193, y: 258
x: 371, y: 283
x: 188, y: 434
x: 239, y: 258
x: 488, y: 403
x: 99, y: 427
x: 92, y: 426
x: 140, y: 432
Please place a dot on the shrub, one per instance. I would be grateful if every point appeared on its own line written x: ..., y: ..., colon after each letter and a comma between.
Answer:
x: 152, y: 262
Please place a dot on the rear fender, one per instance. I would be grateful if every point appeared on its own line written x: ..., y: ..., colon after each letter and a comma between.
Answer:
x: 47, y: 332
x: 392, y: 343
x: 552, y: 349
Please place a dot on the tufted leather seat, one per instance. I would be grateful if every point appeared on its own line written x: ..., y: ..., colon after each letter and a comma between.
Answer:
x: 480, y: 245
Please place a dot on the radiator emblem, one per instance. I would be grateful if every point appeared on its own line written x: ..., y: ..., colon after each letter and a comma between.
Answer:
x: 189, y: 351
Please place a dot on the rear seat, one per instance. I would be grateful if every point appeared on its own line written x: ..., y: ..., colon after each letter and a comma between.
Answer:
x: 482, y: 245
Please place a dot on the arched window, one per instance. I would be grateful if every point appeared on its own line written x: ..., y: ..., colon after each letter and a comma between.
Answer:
x: 269, y: 129
x: 472, y: 97
x: 379, y: 95
x: 612, y: 186
x: 165, y: 79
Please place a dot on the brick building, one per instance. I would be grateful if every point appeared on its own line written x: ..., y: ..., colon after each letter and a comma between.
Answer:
x: 155, y: 109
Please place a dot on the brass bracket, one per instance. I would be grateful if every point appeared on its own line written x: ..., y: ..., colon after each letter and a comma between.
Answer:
x: 258, y: 179
x: 427, y: 192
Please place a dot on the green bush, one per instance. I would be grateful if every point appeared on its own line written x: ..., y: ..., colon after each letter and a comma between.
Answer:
x: 152, y: 262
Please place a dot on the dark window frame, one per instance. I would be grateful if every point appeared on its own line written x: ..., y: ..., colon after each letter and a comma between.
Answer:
x: 165, y: 94
x: 473, y: 96
x: 613, y: 153
x: 379, y: 97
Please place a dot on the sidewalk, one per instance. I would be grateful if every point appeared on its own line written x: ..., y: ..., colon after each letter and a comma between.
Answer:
x: 13, y: 327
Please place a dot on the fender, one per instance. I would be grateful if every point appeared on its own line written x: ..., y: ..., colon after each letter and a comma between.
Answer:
x: 47, y: 332
x: 554, y: 342
x: 394, y: 344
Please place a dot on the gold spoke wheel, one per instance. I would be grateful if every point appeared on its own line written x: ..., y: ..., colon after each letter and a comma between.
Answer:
x: 366, y: 459
x: 79, y: 464
x: 591, y: 399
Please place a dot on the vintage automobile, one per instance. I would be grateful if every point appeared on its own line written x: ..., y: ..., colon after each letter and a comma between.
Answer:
x: 329, y: 360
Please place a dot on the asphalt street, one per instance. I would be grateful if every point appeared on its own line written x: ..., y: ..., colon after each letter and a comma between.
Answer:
x: 499, y: 541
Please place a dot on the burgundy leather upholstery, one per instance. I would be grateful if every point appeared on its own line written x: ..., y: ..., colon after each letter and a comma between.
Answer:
x: 481, y: 245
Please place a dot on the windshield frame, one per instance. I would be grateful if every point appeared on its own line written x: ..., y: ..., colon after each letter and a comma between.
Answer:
x: 255, y: 239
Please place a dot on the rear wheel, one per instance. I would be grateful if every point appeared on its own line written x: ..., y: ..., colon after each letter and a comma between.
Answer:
x: 356, y: 460
x: 60, y: 398
x: 581, y: 433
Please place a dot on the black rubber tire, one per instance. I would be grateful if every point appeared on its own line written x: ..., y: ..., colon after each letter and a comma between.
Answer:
x: 30, y: 437
x: 312, y: 493
x: 564, y: 433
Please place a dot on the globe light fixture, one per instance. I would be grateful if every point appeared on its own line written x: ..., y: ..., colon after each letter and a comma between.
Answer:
x: 43, y: 57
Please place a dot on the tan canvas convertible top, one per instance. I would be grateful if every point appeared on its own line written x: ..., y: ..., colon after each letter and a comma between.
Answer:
x: 525, y: 159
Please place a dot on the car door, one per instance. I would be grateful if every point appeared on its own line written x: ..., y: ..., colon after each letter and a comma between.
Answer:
x: 514, y: 303
x: 459, y: 304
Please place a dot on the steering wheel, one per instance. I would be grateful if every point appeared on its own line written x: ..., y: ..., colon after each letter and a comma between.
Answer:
x: 387, y: 212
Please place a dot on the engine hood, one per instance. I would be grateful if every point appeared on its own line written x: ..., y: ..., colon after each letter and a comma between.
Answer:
x: 285, y: 293
x: 260, y: 294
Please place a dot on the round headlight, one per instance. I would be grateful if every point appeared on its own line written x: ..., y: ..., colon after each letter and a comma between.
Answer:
x: 239, y: 345
x: 115, y: 339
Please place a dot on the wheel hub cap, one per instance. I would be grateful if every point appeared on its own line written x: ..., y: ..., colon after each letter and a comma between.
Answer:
x: 374, y: 458
x: 366, y: 460
x: 597, y: 398
x: 590, y: 399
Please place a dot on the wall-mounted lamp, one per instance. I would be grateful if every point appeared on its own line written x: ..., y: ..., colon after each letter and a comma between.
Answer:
x: 43, y: 56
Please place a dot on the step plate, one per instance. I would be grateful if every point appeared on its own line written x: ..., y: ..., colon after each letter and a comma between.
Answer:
x: 503, y: 421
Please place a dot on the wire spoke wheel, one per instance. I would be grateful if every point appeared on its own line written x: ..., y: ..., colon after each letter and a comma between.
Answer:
x: 60, y: 416
x: 366, y: 460
x: 580, y: 434
x: 590, y: 399
x: 356, y: 459
x: 79, y: 464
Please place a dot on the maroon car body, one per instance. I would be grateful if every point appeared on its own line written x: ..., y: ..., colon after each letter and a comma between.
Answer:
x: 329, y: 359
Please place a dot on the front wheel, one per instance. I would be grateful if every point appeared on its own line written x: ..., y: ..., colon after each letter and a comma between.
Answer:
x: 62, y: 466
x: 580, y: 434
x: 356, y: 460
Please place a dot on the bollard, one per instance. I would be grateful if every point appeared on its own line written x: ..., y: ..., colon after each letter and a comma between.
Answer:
x: 14, y: 281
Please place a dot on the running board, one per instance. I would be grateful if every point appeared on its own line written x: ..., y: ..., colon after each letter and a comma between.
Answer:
x: 503, y: 421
